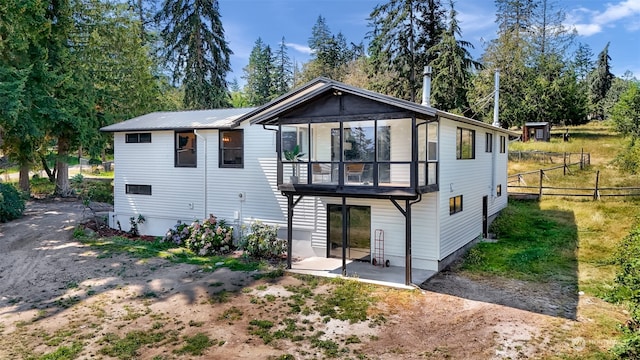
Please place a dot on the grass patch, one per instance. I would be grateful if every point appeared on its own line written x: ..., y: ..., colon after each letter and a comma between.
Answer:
x: 196, y: 345
x: 107, y: 247
x: 128, y: 346
x: 63, y: 352
x: 348, y: 301
x: 534, y: 244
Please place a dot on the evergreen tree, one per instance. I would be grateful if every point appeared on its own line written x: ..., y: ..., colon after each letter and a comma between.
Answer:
x: 582, y: 62
x: 258, y: 74
x: 330, y: 53
x: 452, y: 68
x: 509, y: 54
x: 24, y: 82
x: 600, y: 81
x: 197, y: 51
x: 282, y: 70
x: 403, y: 32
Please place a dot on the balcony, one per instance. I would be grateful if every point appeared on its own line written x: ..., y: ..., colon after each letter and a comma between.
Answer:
x: 370, y: 158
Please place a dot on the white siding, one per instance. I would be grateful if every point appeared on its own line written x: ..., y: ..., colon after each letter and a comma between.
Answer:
x: 176, y: 190
x: 471, y: 178
x: 424, y: 231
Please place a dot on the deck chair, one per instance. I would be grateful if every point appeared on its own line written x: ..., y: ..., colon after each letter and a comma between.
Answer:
x: 354, y: 170
x: 321, y: 170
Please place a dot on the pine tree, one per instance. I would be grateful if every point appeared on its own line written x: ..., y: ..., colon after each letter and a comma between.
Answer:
x: 330, y: 53
x: 452, y: 68
x: 258, y: 74
x: 600, y: 81
x: 403, y: 31
x: 197, y: 51
x: 282, y: 70
x: 24, y: 82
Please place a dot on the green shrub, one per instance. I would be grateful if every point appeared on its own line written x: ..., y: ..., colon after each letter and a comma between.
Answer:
x: 627, y: 290
x: 263, y: 242
x: 211, y: 237
x: 11, y: 203
x: 92, y: 190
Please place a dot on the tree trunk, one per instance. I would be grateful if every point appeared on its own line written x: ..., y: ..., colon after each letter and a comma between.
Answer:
x: 50, y: 174
x: 24, y: 184
x: 62, y: 179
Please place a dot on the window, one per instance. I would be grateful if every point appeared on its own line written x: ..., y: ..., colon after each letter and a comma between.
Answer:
x: 186, y: 155
x: 138, y: 189
x: 231, y: 149
x: 503, y: 145
x: 455, y: 204
x: 465, y: 144
x: 488, y: 143
x: 138, y: 138
x: 499, y: 190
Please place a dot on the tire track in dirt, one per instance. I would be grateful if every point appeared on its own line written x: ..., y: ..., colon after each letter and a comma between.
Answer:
x: 27, y: 246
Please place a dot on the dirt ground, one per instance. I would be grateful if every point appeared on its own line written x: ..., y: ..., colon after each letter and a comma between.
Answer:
x: 60, y: 296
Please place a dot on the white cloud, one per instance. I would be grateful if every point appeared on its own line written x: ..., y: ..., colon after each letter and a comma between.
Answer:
x: 299, y: 48
x: 589, y: 22
x: 619, y: 11
x: 588, y: 29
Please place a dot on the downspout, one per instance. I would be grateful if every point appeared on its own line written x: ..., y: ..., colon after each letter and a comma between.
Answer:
x: 204, y: 177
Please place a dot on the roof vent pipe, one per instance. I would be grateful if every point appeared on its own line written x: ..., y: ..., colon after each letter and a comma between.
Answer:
x: 496, y: 98
x: 426, y: 86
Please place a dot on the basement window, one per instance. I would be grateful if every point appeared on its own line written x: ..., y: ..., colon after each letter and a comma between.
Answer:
x: 137, y: 138
x: 138, y: 189
x: 455, y: 204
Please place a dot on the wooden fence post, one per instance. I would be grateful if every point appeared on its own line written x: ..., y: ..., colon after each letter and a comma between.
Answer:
x: 564, y: 168
x: 581, y: 158
x: 596, y: 193
x: 540, y: 191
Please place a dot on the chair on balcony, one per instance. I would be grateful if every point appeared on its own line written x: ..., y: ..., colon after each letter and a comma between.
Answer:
x: 321, y: 170
x: 354, y: 171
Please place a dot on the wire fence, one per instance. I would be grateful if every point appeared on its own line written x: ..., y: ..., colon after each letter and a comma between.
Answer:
x: 536, y: 183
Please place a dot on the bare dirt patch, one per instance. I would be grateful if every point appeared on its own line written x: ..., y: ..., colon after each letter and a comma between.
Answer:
x: 57, y: 294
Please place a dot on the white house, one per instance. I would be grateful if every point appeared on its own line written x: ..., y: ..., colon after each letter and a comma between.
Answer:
x: 426, y: 181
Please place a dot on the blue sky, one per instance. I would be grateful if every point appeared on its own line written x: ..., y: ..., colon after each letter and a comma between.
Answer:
x: 596, y: 21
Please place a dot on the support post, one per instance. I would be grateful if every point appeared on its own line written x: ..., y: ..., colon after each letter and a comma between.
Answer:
x: 564, y: 168
x: 540, y: 190
x: 289, y: 229
x: 582, y: 159
x: 596, y: 193
x: 407, y: 237
x: 345, y: 228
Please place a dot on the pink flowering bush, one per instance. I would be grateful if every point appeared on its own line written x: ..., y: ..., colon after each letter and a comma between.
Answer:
x: 211, y: 237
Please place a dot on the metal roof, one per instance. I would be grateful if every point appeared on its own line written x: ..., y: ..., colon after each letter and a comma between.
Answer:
x: 177, y: 120
x: 268, y: 114
x: 539, y: 123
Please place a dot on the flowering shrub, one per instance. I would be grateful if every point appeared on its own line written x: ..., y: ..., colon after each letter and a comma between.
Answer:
x: 263, y: 241
x: 211, y: 237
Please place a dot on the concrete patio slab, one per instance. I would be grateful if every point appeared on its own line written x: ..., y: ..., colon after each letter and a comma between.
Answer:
x: 393, y: 276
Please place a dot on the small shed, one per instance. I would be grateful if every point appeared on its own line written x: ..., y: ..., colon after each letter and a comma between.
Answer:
x: 538, y: 131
